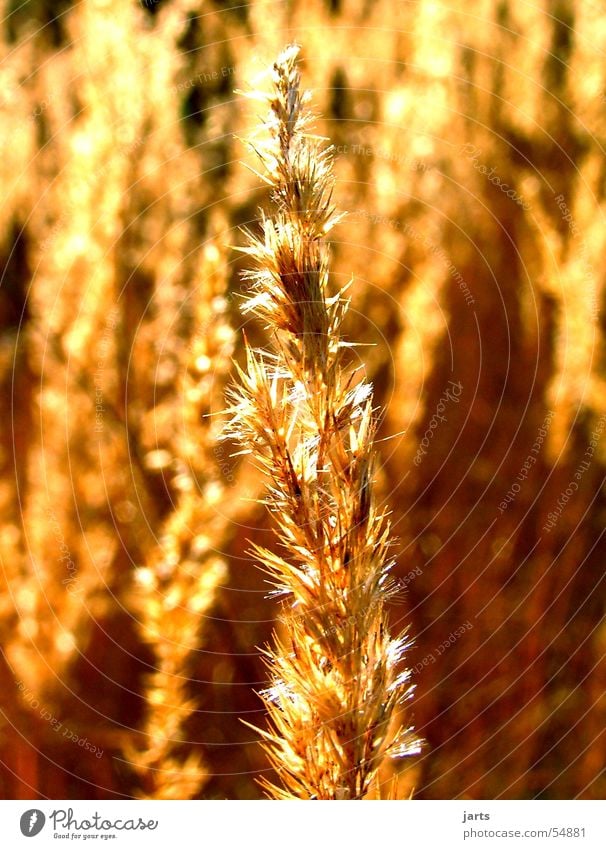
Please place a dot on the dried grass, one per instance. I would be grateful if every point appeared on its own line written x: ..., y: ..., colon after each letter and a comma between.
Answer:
x: 306, y: 416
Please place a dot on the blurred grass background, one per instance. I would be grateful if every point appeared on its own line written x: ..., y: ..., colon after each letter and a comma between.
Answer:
x: 470, y: 139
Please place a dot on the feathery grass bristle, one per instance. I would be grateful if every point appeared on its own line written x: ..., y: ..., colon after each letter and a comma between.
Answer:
x: 306, y: 417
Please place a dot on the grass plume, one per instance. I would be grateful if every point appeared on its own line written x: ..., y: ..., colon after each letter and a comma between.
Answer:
x: 178, y: 586
x: 306, y: 417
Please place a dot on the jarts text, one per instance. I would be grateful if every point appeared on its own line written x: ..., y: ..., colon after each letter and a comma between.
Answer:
x: 468, y: 817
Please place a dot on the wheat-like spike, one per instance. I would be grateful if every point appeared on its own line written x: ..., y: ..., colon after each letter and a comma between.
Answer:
x: 306, y: 418
x: 179, y: 584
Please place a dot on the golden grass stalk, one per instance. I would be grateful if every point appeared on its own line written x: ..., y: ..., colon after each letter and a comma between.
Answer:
x: 306, y: 417
x: 179, y: 584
